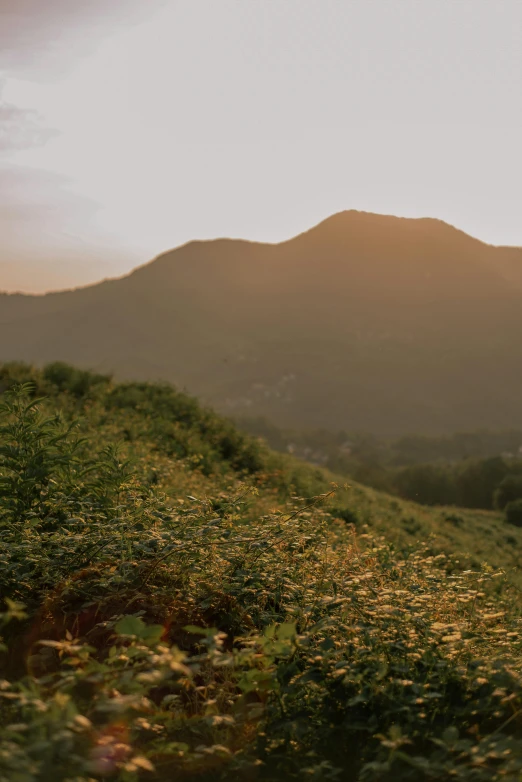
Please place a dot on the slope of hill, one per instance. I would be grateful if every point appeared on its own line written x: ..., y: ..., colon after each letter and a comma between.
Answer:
x: 365, y: 322
x: 174, y: 610
x: 194, y: 447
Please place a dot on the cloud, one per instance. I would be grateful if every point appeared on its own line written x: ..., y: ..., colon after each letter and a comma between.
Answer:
x: 37, y: 36
x: 21, y: 129
x: 37, y: 193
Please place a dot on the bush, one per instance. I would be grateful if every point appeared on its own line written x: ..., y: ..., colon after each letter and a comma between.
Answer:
x: 514, y: 513
x: 509, y: 489
x: 77, y: 382
x: 476, y: 482
x: 181, y: 427
x: 16, y: 373
x: 37, y: 456
x: 427, y: 484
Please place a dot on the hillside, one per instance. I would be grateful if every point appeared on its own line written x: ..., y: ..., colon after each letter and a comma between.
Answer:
x: 366, y: 322
x: 184, y: 446
x: 175, y: 610
x: 467, y: 469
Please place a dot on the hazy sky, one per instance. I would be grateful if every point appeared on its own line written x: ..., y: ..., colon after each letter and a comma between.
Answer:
x: 129, y: 127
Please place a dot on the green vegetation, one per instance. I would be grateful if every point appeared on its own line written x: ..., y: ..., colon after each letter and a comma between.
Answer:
x: 470, y: 470
x: 182, y: 603
x: 514, y: 512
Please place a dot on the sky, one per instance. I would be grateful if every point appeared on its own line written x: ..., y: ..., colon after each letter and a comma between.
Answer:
x: 128, y: 128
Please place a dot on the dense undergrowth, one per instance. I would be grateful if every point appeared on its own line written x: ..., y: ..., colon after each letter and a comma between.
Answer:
x: 181, y: 603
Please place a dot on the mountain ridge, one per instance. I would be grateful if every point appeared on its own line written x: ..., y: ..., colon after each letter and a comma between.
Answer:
x: 328, y: 221
x: 363, y: 322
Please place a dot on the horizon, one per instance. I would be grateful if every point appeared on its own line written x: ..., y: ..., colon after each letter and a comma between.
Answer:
x: 249, y: 241
x: 125, y: 130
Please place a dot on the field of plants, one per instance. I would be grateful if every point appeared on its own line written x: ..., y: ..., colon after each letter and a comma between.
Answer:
x: 180, y: 602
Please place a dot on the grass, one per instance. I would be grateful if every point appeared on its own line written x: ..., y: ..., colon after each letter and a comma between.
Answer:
x: 182, y: 603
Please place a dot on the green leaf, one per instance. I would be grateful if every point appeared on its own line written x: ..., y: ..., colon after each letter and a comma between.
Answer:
x: 195, y: 630
x: 152, y: 633
x: 135, y: 626
x: 15, y: 610
x: 130, y: 625
x: 286, y: 631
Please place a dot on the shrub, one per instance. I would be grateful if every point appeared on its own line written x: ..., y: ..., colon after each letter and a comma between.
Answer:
x: 427, y: 484
x: 509, y: 489
x: 37, y: 456
x: 514, y: 513
x: 16, y: 373
x: 476, y: 482
x: 77, y: 382
x: 181, y: 427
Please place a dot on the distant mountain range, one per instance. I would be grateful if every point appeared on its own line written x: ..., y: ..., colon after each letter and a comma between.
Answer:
x: 365, y: 322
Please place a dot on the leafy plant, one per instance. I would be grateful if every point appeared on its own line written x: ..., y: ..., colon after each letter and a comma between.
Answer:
x: 210, y: 624
x: 37, y: 456
x: 514, y: 513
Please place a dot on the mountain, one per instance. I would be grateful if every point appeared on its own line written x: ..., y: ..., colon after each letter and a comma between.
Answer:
x: 365, y: 322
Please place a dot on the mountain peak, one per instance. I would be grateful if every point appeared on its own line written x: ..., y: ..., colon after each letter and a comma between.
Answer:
x: 351, y: 221
x: 365, y: 322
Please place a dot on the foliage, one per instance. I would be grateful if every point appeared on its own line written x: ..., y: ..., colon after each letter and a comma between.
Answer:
x: 470, y: 470
x: 37, y: 456
x: 508, y: 490
x: 77, y: 382
x: 190, y: 429
x: 514, y: 512
x: 173, y: 618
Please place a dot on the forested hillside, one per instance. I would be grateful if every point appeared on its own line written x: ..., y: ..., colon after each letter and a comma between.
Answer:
x: 365, y: 323
x: 180, y: 602
x: 469, y: 469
